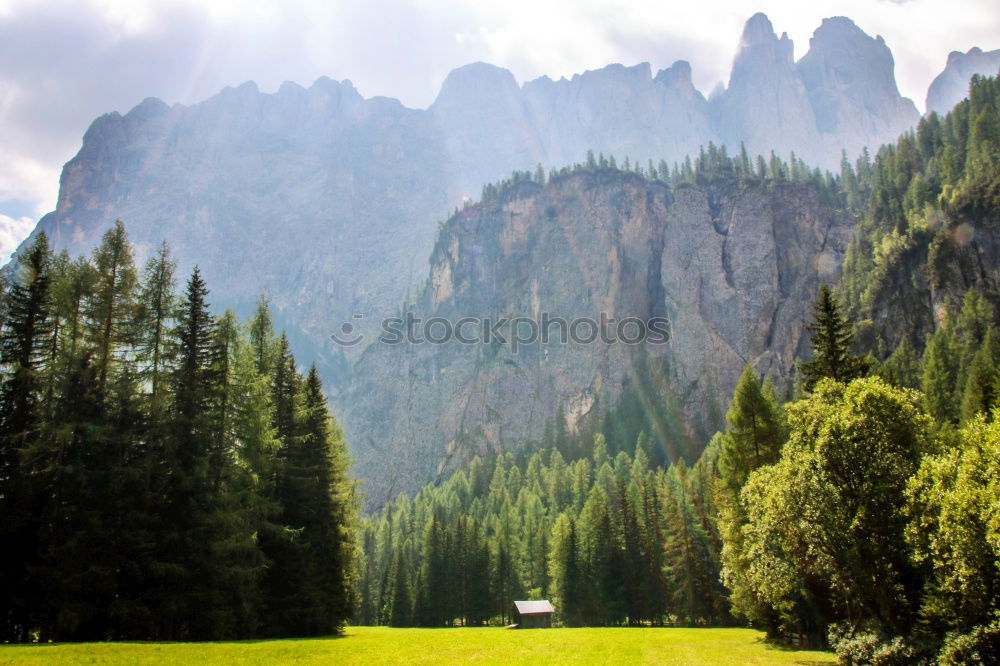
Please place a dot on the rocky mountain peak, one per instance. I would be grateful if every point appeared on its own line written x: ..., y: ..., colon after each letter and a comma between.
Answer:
x: 758, y: 30
x: 760, y: 46
x: 765, y: 93
x: 952, y: 85
x: 850, y: 79
x: 477, y: 83
x: 678, y: 74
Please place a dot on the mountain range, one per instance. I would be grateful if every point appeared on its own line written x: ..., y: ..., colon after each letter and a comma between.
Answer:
x: 331, y: 204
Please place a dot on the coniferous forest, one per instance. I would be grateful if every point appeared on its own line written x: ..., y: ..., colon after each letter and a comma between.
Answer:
x: 169, y: 474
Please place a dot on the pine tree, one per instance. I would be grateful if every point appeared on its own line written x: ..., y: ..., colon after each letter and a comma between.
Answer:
x: 902, y: 368
x: 285, y: 388
x: 110, y: 312
x: 401, y: 613
x: 262, y: 337
x: 980, y: 395
x: 832, y: 336
x: 755, y: 432
x: 22, y: 348
x: 938, y: 383
x: 157, y: 312
x: 318, y: 501
x: 194, y: 593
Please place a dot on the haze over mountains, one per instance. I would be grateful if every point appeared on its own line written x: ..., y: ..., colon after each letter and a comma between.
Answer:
x: 329, y: 202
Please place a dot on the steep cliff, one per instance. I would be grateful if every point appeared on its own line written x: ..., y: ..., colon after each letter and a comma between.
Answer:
x: 732, y: 269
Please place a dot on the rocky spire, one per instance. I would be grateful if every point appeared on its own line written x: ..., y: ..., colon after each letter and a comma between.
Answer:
x: 766, y: 105
x: 850, y: 80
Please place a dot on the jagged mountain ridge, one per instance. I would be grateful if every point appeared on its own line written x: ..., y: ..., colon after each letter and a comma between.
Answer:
x: 328, y: 202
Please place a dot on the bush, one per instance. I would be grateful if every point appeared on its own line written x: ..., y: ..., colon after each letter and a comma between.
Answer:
x: 870, y: 648
x: 979, y: 646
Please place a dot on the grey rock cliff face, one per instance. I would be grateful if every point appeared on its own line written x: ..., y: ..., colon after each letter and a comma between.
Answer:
x: 733, y: 271
x: 951, y: 86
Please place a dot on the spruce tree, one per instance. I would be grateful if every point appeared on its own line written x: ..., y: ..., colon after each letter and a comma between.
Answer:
x: 832, y: 336
x: 110, y: 311
x: 22, y: 349
x: 938, y: 384
x: 980, y: 395
x: 401, y: 613
x: 193, y: 594
x: 755, y: 433
x: 318, y: 505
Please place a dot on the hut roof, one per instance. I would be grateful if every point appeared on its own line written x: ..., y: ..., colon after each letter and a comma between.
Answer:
x: 534, y: 607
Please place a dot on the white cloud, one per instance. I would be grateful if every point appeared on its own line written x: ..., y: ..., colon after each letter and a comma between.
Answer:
x: 12, y: 232
x: 64, y: 62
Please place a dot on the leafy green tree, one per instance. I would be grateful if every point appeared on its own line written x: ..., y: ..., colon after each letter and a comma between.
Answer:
x: 954, y: 533
x: 845, y: 468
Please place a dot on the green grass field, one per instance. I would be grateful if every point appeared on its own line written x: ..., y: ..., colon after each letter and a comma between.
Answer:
x: 380, y: 645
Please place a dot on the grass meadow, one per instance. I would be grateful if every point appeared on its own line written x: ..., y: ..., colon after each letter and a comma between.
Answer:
x: 383, y: 645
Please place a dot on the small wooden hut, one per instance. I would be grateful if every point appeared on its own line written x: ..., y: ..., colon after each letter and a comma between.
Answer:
x: 533, y: 614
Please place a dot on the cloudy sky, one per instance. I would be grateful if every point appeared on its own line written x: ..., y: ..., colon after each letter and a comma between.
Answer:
x: 64, y: 62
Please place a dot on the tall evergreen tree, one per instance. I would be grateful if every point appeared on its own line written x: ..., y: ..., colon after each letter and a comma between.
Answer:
x: 157, y: 312
x: 981, y: 378
x: 832, y: 336
x: 110, y: 311
x: 202, y: 530
x: 262, y: 337
x: 755, y: 433
x: 319, y: 506
x: 940, y: 376
x: 22, y: 348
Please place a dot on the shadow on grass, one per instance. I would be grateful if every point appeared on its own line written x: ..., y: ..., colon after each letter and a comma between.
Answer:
x: 772, y: 644
x: 242, y: 641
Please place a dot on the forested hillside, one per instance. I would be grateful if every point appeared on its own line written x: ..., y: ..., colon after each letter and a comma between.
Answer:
x: 931, y: 227
x: 840, y: 518
x: 861, y: 514
x: 165, y: 474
